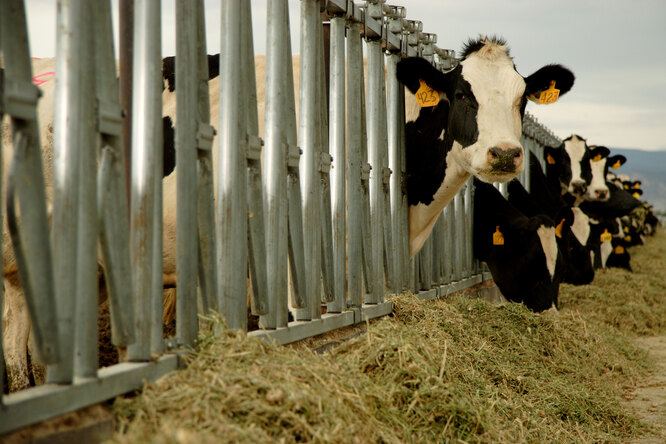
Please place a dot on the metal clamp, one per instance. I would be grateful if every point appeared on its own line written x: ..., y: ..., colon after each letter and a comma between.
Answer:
x: 373, y: 11
x: 365, y: 171
x: 109, y: 118
x: 21, y: 99
x: 387, y: 175
x: 293, y: 155
x: 325, y: 160
x: 205, y: 135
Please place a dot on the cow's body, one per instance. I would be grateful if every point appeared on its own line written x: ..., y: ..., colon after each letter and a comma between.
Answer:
x: 474, y: 128
x: 521, y: 252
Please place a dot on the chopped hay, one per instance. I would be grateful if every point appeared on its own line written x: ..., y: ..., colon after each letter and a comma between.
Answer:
x: 455, y: 370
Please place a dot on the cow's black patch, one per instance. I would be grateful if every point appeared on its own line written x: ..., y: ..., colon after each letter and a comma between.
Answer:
x: 169, y: 69
x: 464, y: 107
x: 426, y: 153
x: 169, y: 146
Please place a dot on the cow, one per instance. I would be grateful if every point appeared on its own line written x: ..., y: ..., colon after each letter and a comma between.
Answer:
x: 575, y: 167
x: 466, y: 122
x: 521, y: 252
x: 542, y: 199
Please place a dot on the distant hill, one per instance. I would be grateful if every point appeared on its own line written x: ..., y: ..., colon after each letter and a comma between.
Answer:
x: 650, y: 168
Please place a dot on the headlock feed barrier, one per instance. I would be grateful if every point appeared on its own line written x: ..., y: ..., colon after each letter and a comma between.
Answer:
x: 315, y: 209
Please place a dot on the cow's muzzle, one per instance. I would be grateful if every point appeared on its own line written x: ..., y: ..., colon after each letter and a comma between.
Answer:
x: 506, y: 159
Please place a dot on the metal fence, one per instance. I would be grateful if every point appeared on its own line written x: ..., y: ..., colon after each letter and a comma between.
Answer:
x: 315, y: 209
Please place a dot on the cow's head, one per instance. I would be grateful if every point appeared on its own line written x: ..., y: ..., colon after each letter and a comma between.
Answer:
x: 598, y: 160
x: 485, y: 98
x: 522, y: 252
x: 569, y: 164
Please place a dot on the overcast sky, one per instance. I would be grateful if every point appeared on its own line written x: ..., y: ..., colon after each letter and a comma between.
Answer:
x: 616, y: 48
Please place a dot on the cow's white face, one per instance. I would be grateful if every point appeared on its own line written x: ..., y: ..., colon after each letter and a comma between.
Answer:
x: 576, y: 149
x: 497, y: 94
x: 598, y: 190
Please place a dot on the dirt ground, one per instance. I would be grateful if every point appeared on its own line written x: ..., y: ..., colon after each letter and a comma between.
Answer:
x: 648, y: 399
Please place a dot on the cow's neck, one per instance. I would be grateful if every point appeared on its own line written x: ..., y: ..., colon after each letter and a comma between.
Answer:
x: 422, y: 217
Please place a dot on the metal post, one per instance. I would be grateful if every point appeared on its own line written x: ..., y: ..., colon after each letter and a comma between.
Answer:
x: 337, y: 142
x: 355, y: 160
x: 66, y: 171
x: 375, y: 138
x: 147, y: 127
x: 278, y: 62
x: 126, y: 54
x: 87, y: 286
x: 308, y: 139
x: 231, y: 193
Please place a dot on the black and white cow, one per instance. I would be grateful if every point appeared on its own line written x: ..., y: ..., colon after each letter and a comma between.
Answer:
x: 573, y: 243
x: 575, y: 166
x: 465, y: 122
x: 521, y: 252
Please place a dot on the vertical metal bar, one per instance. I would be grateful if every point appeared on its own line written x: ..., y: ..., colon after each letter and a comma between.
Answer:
x: 147, y: 125
x: 255, y: 221
x: 469, y: 226
x: 459, y: 205
x: 112, y: 202
x: 275, y: 155
x: 311, y: 157
x: 396, y: 147
x: 206, y: 191
x: 66, y: 171
x: 231, y: 193
x: 375, y: 87
x: 2, y: 287
x: 425, y: 265
x: 126, y: 54
x: 337, y: 142
x: 354, y: 162
x: 436, y: 252
x: 326, y: 247
x: 87, y: 287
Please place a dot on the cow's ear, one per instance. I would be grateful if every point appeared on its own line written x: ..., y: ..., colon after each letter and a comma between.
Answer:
x: 548, y: 83
x: 616, y: 161
x: 552, y: 155
x: 597, y: 153
x: 412, y: 70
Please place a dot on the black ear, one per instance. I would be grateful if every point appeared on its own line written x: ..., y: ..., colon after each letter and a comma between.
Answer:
x: 598, y: 152
x: 413, y: 69
x: 552, y: 155
x: 169, y: 72
x: 541, y: 80
x: 616, y: 161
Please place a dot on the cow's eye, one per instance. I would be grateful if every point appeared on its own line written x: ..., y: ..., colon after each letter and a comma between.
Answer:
x: 460, y: 96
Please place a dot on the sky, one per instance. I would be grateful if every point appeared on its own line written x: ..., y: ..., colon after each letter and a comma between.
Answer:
x: 616, y: 48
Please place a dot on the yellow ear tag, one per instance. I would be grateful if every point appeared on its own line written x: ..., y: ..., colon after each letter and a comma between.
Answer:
x: 626, y: 187
x: 549, y: 159
x: 619, y: 249
x: 550, y: 95
x: 617, y: 165
x: 627, y: 238
x: 626, y: 229
x: 637, y: 196
x: 498, y: 237
x: 426, y: 96
x: 596, y: 158
x: 606, y: 236
x: 558, y: 229
x: 637, y: 185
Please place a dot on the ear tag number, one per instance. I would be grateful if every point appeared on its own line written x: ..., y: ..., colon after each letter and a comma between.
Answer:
x: 549, y: 159
x: 619, y: 249
x: 550, y: 95
x: 617, y: 165
x: 498, y: 237
x: 596, y: 158
x: 558, y: 229
x: 606, y: 236
x: 426, y: 96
